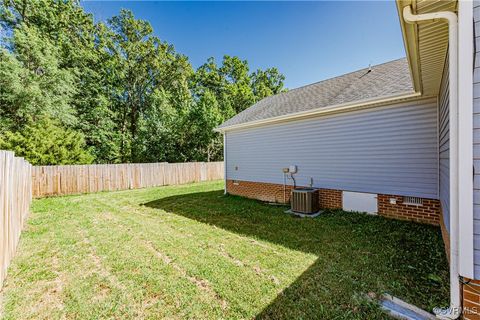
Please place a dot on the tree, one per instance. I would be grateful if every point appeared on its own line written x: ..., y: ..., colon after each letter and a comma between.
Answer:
x: 130, y: 96
x: 76, y: 41
x: 47, y: 142
x: 267, y: 83
x: 27, y: 75
x: 220, y: 92
x: 160, y: 137
x: 230, y: 83
x: 203, y: 143
x: 142, y: 65
x: 233, y: 86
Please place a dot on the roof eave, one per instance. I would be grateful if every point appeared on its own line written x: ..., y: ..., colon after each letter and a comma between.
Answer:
x: 345, y: 107
x: 409, y: 34
x: 426, y: 43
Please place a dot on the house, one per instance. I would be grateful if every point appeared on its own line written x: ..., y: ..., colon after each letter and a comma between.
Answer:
x: 401, y: 138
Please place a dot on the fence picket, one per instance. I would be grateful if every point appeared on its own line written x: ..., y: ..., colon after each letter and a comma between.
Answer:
x: 15, y: 197
x: 73, y: 179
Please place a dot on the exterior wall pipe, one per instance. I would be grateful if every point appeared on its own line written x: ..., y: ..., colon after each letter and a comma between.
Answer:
x: 453, y: 312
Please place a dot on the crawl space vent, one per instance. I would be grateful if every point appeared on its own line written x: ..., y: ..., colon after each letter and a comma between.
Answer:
x: 413, y: 201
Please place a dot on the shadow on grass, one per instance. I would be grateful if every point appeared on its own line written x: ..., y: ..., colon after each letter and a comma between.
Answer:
x: 357, y: 254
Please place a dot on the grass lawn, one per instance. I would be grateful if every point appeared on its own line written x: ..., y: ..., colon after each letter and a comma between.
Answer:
x: 189, y: 252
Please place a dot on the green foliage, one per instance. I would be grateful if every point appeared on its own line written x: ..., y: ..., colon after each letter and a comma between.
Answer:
x: 203, y: 117
x: 221, y: 92
x: 47, y: 143
x: 32, y: 84
x: 267, y: 83
x: 159, y: 136
x: 131, y: 96
x: 143, y: 67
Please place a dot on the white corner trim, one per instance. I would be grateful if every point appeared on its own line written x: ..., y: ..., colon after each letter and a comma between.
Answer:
x: 465, y: 138
x: 344, y: 107
x: 225, y: 162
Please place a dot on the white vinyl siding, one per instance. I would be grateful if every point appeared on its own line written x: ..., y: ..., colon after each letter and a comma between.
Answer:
x: 388, y: 150
x: 444, y: 147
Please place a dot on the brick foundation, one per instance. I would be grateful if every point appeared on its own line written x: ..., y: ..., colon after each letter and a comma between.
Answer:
x: 471, y: 299
x: 330, y: 198
x: 258, y: 190
x: 271, y: 192
x: 428, y: 212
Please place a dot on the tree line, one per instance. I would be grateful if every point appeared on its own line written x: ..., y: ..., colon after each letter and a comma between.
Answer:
x: 76, y: 91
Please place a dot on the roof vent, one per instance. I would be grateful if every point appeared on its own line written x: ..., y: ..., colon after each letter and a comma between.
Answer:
x: 368, y: 71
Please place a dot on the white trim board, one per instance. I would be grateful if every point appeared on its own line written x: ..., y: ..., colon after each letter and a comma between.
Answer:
x: 465, y: 138
x: 346, y: 107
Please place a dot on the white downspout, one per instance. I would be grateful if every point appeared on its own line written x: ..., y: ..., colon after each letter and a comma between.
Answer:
x: 453, y: 312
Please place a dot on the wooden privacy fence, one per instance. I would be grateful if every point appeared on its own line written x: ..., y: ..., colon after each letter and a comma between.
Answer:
x: 60, y: 180
x: 15, y: 199
x: 19, y: 180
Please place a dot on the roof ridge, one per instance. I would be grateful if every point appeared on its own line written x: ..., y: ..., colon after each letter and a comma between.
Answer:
x: 389, y: 77
x: 333, y: 78
x: 342, y: 75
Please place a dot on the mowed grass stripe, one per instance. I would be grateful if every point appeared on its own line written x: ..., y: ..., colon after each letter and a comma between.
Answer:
x: 198, y: 250
x: 189, y: 252
x: 143, y: 273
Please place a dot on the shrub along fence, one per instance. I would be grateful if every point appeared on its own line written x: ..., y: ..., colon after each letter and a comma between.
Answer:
x: 61, y: 180
x: 15, y: 199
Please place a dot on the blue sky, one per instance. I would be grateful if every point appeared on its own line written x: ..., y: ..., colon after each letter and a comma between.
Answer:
x: 306, y: 41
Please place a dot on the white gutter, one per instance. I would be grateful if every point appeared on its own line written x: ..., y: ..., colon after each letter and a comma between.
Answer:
x: 453, y: 312
x: 344, y: 107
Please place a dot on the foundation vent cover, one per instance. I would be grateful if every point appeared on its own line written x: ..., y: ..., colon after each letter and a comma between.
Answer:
x: 413, y: 201
x: 305, y: 200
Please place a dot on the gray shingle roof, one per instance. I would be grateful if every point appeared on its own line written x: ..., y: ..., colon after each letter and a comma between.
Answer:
x: 387, y: 79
